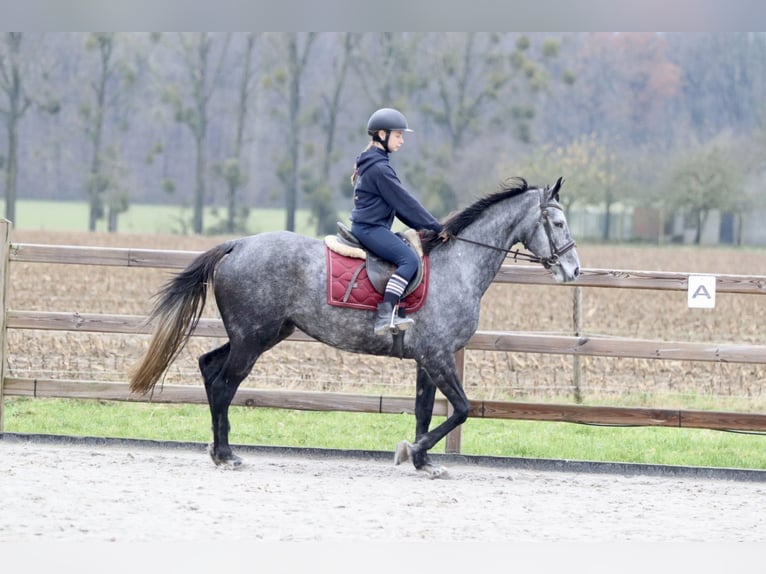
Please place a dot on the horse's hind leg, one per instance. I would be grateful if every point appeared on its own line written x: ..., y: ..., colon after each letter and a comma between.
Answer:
x: 223, y: 370
x: 210, y: 365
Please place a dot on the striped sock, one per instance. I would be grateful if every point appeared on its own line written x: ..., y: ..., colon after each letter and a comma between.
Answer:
x: 395, y: 289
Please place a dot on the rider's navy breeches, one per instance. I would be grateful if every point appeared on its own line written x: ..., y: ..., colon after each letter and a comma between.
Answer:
x: 386, y: 244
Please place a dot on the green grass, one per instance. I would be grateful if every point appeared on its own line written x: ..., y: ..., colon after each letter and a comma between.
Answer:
x: 528, y: 439
x: 45, y: 215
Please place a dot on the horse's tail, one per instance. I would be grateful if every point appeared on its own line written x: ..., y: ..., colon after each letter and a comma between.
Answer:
x: 178, y: 309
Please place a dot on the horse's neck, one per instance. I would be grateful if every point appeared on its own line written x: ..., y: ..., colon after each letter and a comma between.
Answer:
x: 501, y: 227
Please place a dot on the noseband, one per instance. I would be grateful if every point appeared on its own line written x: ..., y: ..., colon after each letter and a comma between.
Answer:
x: 555, y: 252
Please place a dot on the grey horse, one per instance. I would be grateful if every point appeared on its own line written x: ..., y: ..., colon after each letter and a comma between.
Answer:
x: 269, y: 284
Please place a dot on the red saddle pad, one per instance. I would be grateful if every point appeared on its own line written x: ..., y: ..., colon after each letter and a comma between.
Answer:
x: 362, y: 295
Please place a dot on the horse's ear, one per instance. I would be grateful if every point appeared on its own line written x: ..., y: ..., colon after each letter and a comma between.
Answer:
x: 554, y: 191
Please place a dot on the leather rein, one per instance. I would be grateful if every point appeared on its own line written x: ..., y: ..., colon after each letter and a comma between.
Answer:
x: 555, y: 252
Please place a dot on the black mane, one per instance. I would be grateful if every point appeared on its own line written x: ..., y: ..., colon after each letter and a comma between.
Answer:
x: 458, y: 221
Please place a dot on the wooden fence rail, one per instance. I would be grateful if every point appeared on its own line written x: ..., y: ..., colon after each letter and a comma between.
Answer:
x: 500, y: 341
x: 508, y: 341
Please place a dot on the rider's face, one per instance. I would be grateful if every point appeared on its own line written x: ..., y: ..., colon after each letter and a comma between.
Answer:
x: 395, y: 139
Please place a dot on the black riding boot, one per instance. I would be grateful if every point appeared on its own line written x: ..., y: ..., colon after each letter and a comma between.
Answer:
x: 388, y: 320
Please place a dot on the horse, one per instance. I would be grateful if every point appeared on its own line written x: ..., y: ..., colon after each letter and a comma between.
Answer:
x: 269, y: 284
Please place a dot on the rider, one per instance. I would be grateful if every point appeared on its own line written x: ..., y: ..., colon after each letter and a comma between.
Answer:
x: 379, y: 197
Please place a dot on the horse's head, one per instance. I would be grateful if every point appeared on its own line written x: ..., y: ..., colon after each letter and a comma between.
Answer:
x: 550, y: 239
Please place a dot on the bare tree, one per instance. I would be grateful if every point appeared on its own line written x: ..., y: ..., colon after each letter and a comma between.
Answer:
x: 111, y: 83
x: 320, y: 189
x: 486, y: 84
x: 233, y: 170
x: 14, y: 75
x: 289, y: 82
x: 386, y: 69
x: 97, y: 183
x: 191, y: 107
x: 11, y: 82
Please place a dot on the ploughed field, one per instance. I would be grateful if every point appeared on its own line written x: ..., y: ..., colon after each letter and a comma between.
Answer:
x: 640, y: 314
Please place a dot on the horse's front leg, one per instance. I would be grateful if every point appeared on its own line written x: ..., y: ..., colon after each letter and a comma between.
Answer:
x: 441, y: 374
x: 424, y: 402
x: 424, y: 408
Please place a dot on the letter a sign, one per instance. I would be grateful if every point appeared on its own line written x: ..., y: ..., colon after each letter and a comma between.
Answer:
x: 702, y: 291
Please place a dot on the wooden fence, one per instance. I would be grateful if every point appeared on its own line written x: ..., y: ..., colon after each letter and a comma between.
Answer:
x: 500, y: 341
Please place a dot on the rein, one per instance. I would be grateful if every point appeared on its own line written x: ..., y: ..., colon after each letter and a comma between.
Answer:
x: 556, y: 252
x: 515, y: 252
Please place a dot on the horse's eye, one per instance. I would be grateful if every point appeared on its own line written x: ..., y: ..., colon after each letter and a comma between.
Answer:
x: 559, y: 224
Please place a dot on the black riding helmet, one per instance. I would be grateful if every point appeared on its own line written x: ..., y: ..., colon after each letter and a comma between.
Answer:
x: 387, y: 119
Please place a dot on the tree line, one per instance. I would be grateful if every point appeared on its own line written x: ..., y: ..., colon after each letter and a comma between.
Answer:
x: 240, y: 121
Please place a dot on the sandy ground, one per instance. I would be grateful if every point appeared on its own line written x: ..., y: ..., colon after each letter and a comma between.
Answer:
x: 81, y: 492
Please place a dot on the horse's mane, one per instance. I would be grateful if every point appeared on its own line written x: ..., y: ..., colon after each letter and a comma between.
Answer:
x: 458, y: 221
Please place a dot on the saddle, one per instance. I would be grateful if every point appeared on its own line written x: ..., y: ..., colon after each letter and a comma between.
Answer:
x: 378, y: 270
x: 356, y: 279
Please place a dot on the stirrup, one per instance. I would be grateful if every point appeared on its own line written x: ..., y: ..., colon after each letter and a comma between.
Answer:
x: 399, y: 323
x: 386, y: 329
x: 391, y: 323
x: 384, y: 320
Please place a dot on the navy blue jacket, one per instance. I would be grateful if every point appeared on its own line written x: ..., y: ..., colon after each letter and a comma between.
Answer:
x: 379, y: 196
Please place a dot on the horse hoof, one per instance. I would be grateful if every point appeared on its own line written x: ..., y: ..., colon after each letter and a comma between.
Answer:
x: 403, y: 452
x: 229, y: 462
x: 433, y: 471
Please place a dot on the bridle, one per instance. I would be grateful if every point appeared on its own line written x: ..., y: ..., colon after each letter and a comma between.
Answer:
x: 555, y: 252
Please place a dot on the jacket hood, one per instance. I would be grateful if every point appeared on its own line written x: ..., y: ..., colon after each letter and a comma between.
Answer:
x: 370, y: 157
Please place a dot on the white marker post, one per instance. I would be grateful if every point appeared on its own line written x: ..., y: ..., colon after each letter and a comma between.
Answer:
x: 701, y: 291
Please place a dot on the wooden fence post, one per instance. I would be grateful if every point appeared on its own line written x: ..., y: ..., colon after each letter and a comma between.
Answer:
x: 452, y: 445
x: 5, y: 247
x: 576, y: 364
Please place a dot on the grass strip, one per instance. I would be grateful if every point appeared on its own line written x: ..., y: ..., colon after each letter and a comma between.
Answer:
x: 363, y: 431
